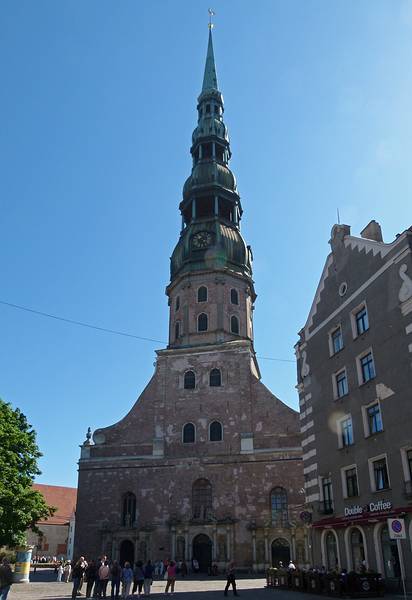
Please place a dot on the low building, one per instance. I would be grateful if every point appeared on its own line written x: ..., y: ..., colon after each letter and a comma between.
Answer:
x: 354, y: 380
x: 54, y: 537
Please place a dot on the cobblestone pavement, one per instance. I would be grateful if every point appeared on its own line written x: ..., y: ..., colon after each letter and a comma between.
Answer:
x: 186, y: 589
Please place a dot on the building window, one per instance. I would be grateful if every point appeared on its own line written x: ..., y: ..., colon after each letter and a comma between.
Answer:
x: 357, y: 549
x: 177, y: 330
x: 367, y: 367
x: 351, y: 481
x: 380, y: 474
x: 215, y: 378
x: 331, y: 551
x: 409, y: 463
x: 189, y: 380
x: 128, y: 509
x: 202, y: 499
x: 215, y: 432
x: 177, y: 303
x: 337, y: 340
x: 202, y: 322
x: 327, y: 497
x: 202, y: 294
x: 208, y: 109
x: 341, y: 384
x: 361, y: 321
x: 279, y: 506
x: 189, y: 433
x: 346, y: 431
x: 234, y: 296
x: 374, y: 418
x: 234, y: 325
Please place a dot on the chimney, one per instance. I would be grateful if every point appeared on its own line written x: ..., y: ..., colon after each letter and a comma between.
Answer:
x: 372, y: 231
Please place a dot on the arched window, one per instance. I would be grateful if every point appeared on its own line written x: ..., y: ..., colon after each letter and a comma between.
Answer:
x: 215, y: 432
x: 234, y: 325
x: 202, y: 322
x: 331, y: 551
x: 279, y: 506
x: 177, y: 303
x: 189, y: 433
x: 215, y: 378
x: 177, y: 330
x: 358, y: 549
x: 202, y: 294
x: 129, y: 510
x: 234, y: 296
x: 202, y: 499
x: 189, y: 381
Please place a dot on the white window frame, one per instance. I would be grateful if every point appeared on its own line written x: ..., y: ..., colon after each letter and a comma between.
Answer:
x: 330, y: 339
x: 372, y: 472
x: 353, y: 313
x: 405, y: 467
x: 344, y: 483
x: 321, y: 478
x: 365, y: 418
x: 359, y: 366
x: 335, y: 384
x: 339, y: 430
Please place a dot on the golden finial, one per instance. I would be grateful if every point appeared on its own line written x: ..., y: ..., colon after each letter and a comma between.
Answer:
x: 211, y: 14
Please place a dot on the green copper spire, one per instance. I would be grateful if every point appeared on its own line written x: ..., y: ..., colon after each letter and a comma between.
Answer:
x: 210, y: 77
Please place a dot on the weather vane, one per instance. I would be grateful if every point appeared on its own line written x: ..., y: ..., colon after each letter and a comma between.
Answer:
x: 211, y: 14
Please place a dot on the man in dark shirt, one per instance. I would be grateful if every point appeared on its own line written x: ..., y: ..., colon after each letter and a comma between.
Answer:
x: 6, y: 578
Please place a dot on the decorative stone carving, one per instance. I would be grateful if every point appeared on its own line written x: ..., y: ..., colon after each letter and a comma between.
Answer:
x: 305, y: 369
x: 406, y: 288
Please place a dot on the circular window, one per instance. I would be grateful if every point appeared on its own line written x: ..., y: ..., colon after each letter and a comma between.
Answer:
x: 343, y: 288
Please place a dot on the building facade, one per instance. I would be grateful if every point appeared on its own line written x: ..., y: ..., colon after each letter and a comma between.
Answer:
x: 354, y: 380
x: 54, y: 539
x: 207, y: 464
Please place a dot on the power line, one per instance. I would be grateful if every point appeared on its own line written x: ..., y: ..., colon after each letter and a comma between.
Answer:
x: 107, y: 330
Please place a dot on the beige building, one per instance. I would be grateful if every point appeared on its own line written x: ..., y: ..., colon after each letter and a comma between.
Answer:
x: 207, y: 464
x: 54, y: 536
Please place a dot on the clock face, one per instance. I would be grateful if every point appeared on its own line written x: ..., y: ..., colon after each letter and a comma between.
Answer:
x: 202, y: 240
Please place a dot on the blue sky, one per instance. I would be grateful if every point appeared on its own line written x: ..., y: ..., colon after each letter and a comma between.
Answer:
x: 98, y: 106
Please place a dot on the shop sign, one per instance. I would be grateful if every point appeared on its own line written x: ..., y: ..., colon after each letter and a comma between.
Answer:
x: 396, y: 529
x: 357, y: 510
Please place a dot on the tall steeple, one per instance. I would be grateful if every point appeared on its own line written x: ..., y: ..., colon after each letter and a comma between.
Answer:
x: 210, y: 77
x: 210, y: 239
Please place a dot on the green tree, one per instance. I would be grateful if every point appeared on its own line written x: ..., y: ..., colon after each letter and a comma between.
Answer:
x: 20, y: 505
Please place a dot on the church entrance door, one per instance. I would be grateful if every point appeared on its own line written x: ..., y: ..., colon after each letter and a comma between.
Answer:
x: 280, y: 552
x: 202, y: 551
x: 126, y: 552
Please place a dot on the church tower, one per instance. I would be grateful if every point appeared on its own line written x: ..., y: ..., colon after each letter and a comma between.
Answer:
x: 211, y: 291
x: 207, y: 464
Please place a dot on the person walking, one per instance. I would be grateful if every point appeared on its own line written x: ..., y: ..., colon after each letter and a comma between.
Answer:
x: 104, y: 576
x: 127, y: 579
x: 77, y: 576
x: 91, y: 576
x: 115, y: 577
x: 6, y: 578
x: 231, y: 579
x: 148, y: 577
x: 171, y: 577
x: 60, y: 572
x: 67, y: 571
x: 138, y: 578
